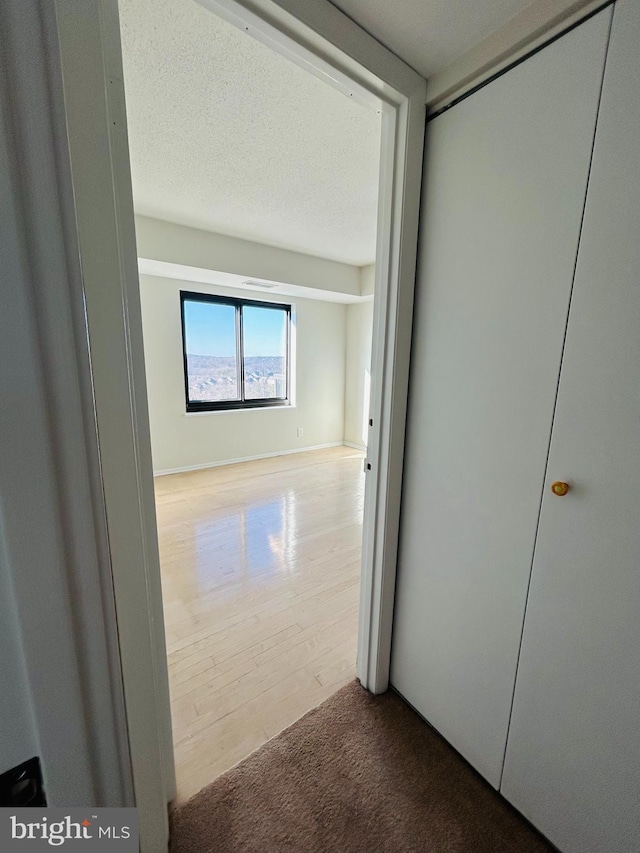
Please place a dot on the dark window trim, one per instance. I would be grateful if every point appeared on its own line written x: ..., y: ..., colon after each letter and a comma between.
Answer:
x: 242, y: 403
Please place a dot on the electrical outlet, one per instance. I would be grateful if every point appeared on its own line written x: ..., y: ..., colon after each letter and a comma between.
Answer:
x: 300, y: 432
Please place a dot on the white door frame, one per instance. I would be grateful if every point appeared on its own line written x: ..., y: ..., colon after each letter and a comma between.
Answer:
x: 322, y: 39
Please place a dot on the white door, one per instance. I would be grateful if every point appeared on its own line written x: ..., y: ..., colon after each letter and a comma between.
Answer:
x: 573, y: 757
x: 506, y: 174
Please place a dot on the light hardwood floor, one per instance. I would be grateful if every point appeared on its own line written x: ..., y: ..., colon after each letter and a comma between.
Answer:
x: 260, y: 575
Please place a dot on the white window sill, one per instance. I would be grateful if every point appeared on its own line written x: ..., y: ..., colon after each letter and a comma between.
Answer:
x: 237, y: 411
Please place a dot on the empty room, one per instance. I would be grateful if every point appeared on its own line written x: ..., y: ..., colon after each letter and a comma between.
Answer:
x: 319, y: 482
x: 256, y: 236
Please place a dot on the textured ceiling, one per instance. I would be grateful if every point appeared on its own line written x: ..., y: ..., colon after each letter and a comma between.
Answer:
x: 228, y: 136
x: 430, y: 34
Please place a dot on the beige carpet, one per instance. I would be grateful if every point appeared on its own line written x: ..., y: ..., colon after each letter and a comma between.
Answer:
x: 356, y: 774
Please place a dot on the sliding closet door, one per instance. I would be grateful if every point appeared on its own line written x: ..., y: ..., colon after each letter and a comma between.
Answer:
x: 506, y: 175
x: 573, y: 757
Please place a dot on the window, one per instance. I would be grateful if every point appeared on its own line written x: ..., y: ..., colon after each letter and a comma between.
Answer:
x: 236, y: 352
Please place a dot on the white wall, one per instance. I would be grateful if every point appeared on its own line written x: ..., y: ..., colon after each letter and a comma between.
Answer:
x: 177, y: 244
x: 367, y: 276
x: 179, y: 440
x: 58, y: 674
x: 17, y: 729
x: 357, y: 372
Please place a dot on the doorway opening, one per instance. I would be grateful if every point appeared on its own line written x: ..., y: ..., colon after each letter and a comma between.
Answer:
x: 320, y: 38
x: 256, y: 233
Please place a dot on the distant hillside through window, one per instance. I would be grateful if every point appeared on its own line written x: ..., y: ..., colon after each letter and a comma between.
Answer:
x: 236, y: 352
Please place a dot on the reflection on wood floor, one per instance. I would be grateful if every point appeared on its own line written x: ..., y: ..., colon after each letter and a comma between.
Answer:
x: 260, y: 576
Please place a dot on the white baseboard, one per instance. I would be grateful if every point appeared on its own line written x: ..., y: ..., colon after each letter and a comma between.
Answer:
x: 248, y: 458
x: 355, y: 445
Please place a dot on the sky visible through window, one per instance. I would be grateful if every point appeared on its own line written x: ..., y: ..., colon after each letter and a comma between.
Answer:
x: 211, y: 330
x: 210, y: 339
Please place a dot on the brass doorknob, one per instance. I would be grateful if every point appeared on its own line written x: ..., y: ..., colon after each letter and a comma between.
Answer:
x: 559, y: 488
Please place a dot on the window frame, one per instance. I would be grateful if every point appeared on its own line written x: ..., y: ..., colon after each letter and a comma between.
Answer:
x: 242, y: 403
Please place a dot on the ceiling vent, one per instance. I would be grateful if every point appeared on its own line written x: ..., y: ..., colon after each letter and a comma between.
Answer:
x: 263, y: 284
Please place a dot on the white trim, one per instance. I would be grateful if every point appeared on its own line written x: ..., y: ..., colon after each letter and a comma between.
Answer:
x: 318, y: 36
x: 96, y: 139
x: 398, y: 212
x: 531, y: 29
x: 235, y: 411
x: 324, y: 41
x: 242, y: 17
x: 355, y: 445
x: 204, y: 465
